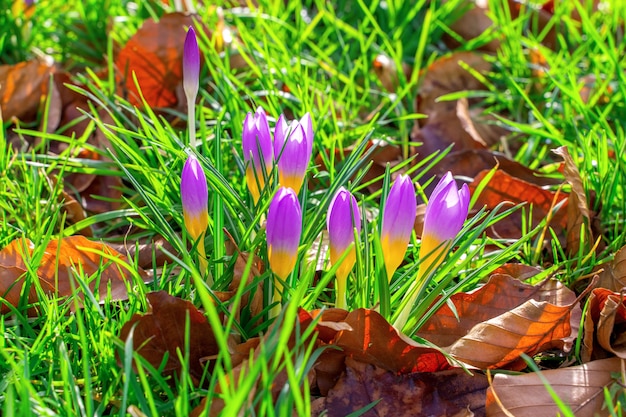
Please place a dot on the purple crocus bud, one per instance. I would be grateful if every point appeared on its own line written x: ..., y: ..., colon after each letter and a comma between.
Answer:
x: 343, y: 217
x: 258, y: 151
x: 398, y: 221
x: 284, y: 227
x: 446, y: 212
x: 307, y: 125
x: 191, y: 66
x: 195, y: 197
x: 292, y: 151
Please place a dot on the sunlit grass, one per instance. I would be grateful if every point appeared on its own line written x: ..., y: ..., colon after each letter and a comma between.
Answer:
x: 299, y: 57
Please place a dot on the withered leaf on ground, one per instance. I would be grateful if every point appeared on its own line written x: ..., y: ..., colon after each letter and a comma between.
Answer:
x: 579, y: 387
x: 373, y: 340
x: 61, y: 262
x: 613, y: 276
x: 154, y: 53
x: 501, y: 294
x: 504, y: 187
x: 161, y: 331
x: 605, y: 325
x: 23, y: 87
x: 445, y: 393
x: 578, y: 212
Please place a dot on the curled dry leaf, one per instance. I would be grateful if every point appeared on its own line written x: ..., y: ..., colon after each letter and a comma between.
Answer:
x: 504, y: 187
x: 503, y: 319
x: 579, y: 387
x: 578, y: 213
x: 61, y: 262
x: 605, y: 325
x: 161, y: 331
x: 613, y: 275
x: 445, y: 393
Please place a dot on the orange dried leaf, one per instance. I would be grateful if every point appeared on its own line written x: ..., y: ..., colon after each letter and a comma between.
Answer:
x: 605, y: 325
x: 23, y: 87
x: 61, y: 261
x: 504, y: 187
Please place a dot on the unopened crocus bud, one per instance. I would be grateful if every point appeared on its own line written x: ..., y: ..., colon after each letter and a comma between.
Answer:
x: 292, y: 151
x: 284, y: 227
x: 191, y: 66
x: 191, y: 75
x: 343, y: 217
x: 258, y: 151
x: 195, y: 198
x: 398, y: 221
x: 446, y: 212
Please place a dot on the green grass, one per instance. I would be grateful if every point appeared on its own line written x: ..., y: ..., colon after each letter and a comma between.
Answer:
x: 62, y: 363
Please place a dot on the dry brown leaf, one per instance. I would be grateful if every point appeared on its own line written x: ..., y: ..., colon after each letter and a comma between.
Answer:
x: 23, y: 87
x: 580, y: 387
x: 61, y: 261
x: 578, y: 213
x: 518, y: 271
x: 613, y: 276
x: 161, y: 331
x: 373, y: 340
x: 444, y: 393
x: 501, y: 294
x: 533, y: 327
x: 445, y: 76
x: 605, y: 325
x: 154, y: 53
x: 504, y: 187
x: 387, y: 72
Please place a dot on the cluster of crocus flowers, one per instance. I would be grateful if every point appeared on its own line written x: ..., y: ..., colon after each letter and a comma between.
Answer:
x: 191, y: 76
x: 398, y: 222
x: 195, y: 199
x: 289, y: 151
x: 342, y: 220
x: 446, y: 212
x: 284, y: 227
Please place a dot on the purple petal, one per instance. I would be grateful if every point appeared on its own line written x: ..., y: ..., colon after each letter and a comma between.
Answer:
x: 193, y: 187
x: 283, y: 230
x: 400, y: 210
x: 343, y: 217
x: 256, y: 136
x: 446, y: 210
x: 191, y: 65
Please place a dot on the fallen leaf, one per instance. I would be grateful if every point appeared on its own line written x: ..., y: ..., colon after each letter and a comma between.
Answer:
x: 154, y: 54
x: 500, y: 295
x: 23, y: 88
x: 61, y: 262
x: 605, y: 325
x: 578, y: 213
x: 161, y: 331
x: 373, y: 340
x: 386, y: 70
x: 579, y: 387
x: 445, y: 393
x: 503, y: 187
x: 613, y: 276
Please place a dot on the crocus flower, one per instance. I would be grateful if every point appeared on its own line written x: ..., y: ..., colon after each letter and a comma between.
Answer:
x: 195, y: 198
x: 191, y: 75
x: 284, y: 227
x: 292, y: 151
x: 191, y: 65
x: 398, y: 221
x: 446, y: 212
x: 258, y: 151
x: 343, y: 217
